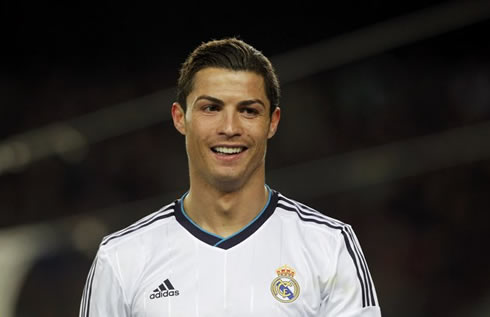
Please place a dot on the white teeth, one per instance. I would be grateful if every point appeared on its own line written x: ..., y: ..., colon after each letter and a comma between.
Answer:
x: 228, y: 150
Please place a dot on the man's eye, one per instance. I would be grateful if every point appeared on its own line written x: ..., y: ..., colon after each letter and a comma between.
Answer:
x: 210, y: 108
x: 250, y: 111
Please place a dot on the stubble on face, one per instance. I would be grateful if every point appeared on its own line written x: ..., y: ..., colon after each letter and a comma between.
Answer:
x: 227, y: 111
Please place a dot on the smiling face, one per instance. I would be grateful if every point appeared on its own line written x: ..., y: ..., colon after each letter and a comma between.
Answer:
x: 226, y: 125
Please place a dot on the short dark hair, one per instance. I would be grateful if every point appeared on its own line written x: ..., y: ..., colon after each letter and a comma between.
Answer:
x: 228, y: 53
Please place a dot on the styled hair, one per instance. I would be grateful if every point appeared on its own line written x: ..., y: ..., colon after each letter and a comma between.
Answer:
x: 232, y: 54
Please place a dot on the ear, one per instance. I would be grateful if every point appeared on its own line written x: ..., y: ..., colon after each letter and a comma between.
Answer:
x: 276, y: 116
x: 178, y: 116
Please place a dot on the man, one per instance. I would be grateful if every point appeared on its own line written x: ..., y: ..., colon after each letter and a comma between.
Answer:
x: 231, y: 246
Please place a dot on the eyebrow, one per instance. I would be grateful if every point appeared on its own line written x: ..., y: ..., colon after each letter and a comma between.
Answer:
x: 221, y: 102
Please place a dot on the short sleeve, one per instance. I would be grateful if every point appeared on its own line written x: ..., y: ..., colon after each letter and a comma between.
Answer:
x: 351, y: 291
x: 103, y: 294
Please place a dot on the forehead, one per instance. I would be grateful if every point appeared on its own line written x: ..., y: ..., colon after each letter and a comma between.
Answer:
x: 220, y: 82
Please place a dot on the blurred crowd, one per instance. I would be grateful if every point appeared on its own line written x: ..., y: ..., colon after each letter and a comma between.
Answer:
x: 424, y: 236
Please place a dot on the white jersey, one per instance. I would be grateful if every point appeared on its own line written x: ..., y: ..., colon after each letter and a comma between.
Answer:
x: 290, y: 260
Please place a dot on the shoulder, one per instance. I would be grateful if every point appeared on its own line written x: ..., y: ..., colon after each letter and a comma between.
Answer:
x: 311, y: 220
x: 124, y: 254
x: 144, y: 226
x: 308, y: 215
x: 307, y: 224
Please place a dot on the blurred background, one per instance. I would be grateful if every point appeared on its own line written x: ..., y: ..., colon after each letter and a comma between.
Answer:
x: 385, y: 125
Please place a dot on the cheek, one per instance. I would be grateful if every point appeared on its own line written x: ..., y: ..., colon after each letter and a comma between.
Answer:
x: 265, y: 132
x: 196, y: 140
x: 257, y: 129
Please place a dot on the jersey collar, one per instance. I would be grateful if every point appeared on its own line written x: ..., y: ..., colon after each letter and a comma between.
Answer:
x: 234, y: 239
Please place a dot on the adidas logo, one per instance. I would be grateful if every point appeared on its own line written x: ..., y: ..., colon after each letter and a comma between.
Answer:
x: 164, y: 290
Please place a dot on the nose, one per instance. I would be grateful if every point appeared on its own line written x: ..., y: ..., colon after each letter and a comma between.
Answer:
x: 230, y: 123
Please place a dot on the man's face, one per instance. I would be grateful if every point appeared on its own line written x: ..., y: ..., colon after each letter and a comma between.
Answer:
x: 227, y: 124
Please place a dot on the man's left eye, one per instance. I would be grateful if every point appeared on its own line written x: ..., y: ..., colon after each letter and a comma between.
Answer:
x: 250, y: 111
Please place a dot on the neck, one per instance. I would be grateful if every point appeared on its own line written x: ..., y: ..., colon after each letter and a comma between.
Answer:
x: 224, y: 213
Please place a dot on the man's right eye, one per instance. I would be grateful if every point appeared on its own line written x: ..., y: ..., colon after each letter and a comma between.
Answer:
x: 210, y: 108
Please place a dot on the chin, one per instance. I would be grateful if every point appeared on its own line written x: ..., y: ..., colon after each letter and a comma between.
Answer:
x: 228, y: 183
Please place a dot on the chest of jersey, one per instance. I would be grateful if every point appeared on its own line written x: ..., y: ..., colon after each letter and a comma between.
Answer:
x: 269, y: 274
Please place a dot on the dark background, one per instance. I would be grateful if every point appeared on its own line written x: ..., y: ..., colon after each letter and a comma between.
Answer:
x: 424, y: 233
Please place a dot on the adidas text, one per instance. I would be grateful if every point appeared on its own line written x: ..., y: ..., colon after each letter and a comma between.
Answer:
x: 164, y: 294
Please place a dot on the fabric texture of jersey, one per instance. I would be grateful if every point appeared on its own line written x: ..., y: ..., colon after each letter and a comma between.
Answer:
x: 291, y: 260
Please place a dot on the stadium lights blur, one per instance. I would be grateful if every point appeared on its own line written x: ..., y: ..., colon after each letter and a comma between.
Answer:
x: 69, y: 139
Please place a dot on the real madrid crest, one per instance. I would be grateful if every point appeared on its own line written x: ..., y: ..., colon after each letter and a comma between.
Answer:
x: 284, y: 287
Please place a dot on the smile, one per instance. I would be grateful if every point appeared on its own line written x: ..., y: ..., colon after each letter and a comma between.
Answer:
x: 228, y: 150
